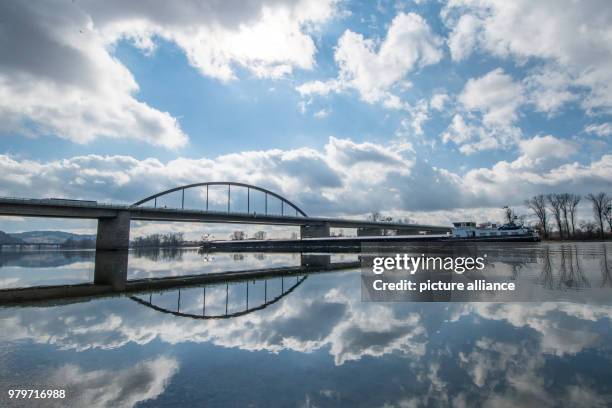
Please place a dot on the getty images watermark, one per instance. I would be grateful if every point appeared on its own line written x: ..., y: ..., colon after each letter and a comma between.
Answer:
x: 451, y: 276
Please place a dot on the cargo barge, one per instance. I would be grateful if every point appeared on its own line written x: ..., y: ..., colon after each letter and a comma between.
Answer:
x: 462, y: 232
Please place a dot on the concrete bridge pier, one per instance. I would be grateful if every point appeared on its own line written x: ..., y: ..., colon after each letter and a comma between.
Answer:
x: 314, y: 230
x: 408, y: 231
x: 370, y: 232
x: 114, y: 233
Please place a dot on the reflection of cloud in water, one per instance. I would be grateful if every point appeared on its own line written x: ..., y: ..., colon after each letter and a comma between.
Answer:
x: 45, y: 258
x: 35, y: 268
x: 325, y: 312
x: 314, y: 318
x: 115, y: 388
x: 510, y: 375
x: 478, y: 354
x: 6, y: 283
x: 153, y: 263
x: 563, y: 328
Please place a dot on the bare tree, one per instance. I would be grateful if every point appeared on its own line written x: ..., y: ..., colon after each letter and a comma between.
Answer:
x: 608, y: 214
x: 510, y: 216
x: 588, y: 227
x: 555, y: 206
x: 573, y: 203
x: 600, y: 202
x: 375, y: 216
x: 537, y: 204
x: 564, y: 202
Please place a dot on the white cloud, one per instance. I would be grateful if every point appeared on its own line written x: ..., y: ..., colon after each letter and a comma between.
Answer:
x: 57, y: 77
x: 314, y: 178
x: 541, y: 147
x: 571, y: 37
x: 601, y: 129
x: 462, y: 38
x: 472, y: 137
x: 343, y: 178
x: 270, y: 45
x: 320, y: 114
x: 319, y: 87
x: 438, y: 101
x: 486, y: 114
x: 418, y: 114
x: 269, y: 38
x: 512, y: 182
x: 543, y: 152
x: 58, y: 74
x: 495, y: 95
x: 549, y: 89
x: 374, y: 69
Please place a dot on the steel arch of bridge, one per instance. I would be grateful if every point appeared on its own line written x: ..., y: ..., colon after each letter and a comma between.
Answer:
x: 229, y: 185
x: 267, y: 302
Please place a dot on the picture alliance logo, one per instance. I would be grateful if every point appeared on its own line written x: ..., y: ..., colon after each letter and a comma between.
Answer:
x: 412, y: 264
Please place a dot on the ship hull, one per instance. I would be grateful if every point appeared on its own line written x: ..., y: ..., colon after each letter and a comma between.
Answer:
x: 508, y: 238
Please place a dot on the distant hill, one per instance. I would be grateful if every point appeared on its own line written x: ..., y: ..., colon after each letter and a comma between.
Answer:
x: 7, y: 239
x: 49, y: 237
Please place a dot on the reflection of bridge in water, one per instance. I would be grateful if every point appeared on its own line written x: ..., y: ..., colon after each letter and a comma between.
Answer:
x: 287, y: 285
x: 114, y: 281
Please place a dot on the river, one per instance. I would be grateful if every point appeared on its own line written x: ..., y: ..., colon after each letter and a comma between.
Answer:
x: 309, y: 340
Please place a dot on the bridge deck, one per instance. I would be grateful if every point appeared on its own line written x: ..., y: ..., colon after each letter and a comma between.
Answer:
x: 92, y: 210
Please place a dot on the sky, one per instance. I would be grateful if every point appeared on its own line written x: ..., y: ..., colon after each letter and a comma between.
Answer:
x: 434, y: 110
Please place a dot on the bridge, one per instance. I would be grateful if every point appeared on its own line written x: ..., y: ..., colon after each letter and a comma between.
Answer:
x: 208, y: 202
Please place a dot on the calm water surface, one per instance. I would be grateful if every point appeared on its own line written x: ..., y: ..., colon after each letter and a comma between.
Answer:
x: 310, y: 340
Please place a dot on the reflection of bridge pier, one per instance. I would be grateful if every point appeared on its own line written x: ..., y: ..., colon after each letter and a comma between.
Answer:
x: 111, y: 268
x: 315, y: 260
